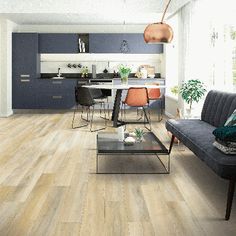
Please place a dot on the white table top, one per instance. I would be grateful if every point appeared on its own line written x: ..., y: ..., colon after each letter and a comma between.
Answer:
x: 122, y: 86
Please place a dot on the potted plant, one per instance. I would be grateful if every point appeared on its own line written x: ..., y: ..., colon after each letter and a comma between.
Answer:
x: 192, y: 91
x: 139, y: 134
x: 124, y: 72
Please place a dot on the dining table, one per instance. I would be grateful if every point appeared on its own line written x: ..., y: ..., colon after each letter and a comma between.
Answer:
x: 119, y: 88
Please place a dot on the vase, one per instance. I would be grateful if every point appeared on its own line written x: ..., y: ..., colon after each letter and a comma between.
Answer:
x: 139, y: 139
x: 124, y: 78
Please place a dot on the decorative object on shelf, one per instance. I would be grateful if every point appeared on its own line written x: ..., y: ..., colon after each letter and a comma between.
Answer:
x: 139, y: 134
x: 81, y: 45
x: 129, y: 141
x: 115, y: 74
x: 124, y: 48
x: 84, y: 72
x: 151, y: 76
x: 138, y: 74
x: 74, y: 65
x: 192, y: 91
x: 159, y: 32
x: 124, y: 72
x: 144, y: 73
x: 69, y: 65
x: 79, y: 66
x: 105, y: 71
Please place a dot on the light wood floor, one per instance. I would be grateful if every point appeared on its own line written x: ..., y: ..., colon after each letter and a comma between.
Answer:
x: 48, y: 186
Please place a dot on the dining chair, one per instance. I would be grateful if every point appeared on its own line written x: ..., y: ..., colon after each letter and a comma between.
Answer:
x: 84, y: 98
x: 102, y: 99
x: 138, y: 97
x: 154, y: 94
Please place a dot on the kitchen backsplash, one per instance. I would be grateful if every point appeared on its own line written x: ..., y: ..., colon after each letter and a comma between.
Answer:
x: 51, y: 62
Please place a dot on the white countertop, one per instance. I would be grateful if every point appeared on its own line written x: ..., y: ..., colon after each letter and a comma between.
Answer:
x: 122, y: 86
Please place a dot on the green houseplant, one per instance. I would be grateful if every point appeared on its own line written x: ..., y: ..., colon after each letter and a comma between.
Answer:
x: 139, y: 134
x: 192, y: 91
x: 124, y: 72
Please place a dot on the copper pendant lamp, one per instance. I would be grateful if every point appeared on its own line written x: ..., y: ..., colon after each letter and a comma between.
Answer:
x: 159, y: 32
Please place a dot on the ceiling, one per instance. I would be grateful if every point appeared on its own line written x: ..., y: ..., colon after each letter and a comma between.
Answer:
x: 86, y: 12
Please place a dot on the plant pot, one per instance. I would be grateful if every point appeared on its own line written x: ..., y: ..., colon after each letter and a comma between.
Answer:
x: 124, y: 80
x: 139, y: 139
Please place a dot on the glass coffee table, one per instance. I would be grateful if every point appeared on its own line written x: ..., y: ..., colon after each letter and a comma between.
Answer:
x: 108, y: 144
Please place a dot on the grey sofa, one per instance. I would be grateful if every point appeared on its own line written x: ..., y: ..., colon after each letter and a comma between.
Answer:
x: 197, y: 136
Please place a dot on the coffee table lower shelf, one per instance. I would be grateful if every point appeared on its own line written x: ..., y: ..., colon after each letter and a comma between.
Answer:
x: 108, y: 144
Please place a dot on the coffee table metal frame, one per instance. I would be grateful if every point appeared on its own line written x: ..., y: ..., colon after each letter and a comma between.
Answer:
x: 156, y: 153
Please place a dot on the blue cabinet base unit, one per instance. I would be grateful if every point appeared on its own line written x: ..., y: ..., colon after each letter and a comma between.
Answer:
x: 122, y: 43
x: 55, y: 94
x: 25, y: 69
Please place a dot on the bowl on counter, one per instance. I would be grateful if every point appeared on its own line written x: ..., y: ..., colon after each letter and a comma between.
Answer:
x: 151, y: 76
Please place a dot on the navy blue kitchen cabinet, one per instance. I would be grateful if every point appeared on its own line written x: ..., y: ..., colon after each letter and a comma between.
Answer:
x: 58, y: 43
x: 113, y: 43
x: 25, y: 69
x: 55, y: 94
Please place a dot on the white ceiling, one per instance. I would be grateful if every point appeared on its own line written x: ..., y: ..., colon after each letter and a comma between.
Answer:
x: 86, y: 12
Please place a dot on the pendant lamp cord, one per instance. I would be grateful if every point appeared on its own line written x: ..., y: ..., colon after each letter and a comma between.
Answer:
x: 164, y: 13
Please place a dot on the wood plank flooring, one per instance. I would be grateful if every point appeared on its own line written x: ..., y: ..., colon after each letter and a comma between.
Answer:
x: 48, y: 186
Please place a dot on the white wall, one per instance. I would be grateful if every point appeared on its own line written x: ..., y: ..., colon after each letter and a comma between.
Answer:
x: 6, y: 29
x: 171, y: 105
x: 172, y: 58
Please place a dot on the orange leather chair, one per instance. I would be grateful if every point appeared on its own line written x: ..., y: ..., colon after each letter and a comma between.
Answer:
x: 138, y: 97
x: 155, y: 94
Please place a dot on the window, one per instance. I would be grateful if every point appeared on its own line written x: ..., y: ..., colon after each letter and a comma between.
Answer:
x: 223, y: 47
x: 233, y: 37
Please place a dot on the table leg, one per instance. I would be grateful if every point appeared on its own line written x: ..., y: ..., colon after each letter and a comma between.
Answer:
x: 116, y: 108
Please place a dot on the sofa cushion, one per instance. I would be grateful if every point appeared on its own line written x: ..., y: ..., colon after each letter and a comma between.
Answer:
x: 231, y: 120
x: 218, y: 106
x: 197, y: 136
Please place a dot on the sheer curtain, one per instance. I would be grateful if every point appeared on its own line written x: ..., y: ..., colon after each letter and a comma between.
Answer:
x: 205, y: 45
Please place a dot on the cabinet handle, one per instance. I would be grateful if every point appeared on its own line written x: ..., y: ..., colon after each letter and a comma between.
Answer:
x: 57, y: 82
x: 24, y: 76
x: 25, y: 80
x: 56, y: 97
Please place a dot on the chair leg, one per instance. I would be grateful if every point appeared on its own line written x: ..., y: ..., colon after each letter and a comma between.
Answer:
x: 139, y: 114
x: 76, y: 108
x: 146, y: 118
x: 149, y: 117
x: 77, y: 127
x: 91, y: 121
x: 105, y: 114
x: 230, y: 197
x: 91, y: 118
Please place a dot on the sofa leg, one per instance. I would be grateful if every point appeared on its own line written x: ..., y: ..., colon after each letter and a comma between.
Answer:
x: 171, y: 143
x: 230, y: 198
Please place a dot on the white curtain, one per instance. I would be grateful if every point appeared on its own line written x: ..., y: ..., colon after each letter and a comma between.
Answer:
x: 205, y: 48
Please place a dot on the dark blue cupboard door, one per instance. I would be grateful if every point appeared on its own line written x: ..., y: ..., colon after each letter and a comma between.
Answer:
x: 58, y: 43
x: 25, y: 69
x: 112, y: 43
